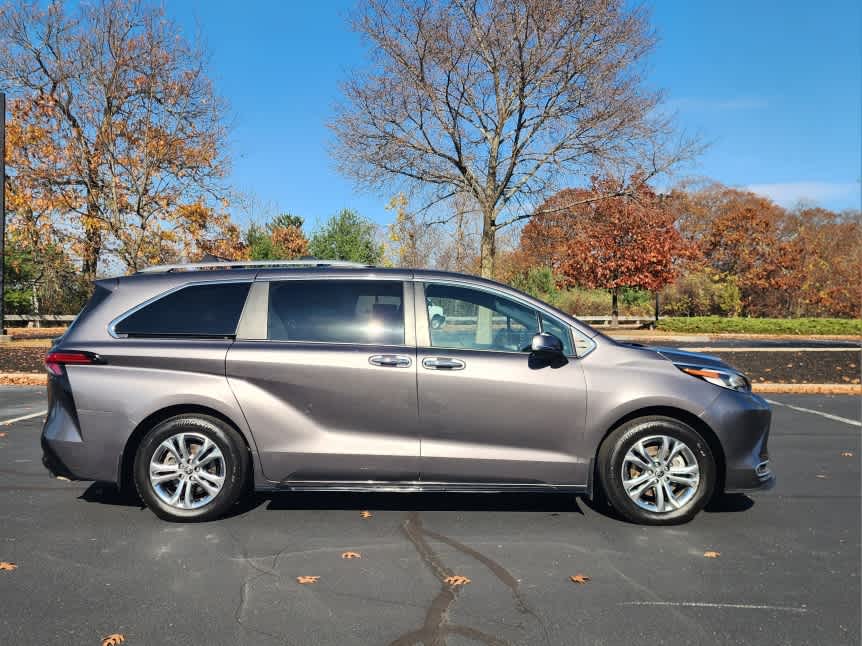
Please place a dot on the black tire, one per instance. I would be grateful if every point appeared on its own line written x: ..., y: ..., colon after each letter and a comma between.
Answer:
x: 437, y: 321
x: 610, y: 465
x: 236, y: 466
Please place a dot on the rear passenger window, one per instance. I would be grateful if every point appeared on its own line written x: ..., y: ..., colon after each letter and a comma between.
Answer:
x: 337, y: 311
x: 211, y: 310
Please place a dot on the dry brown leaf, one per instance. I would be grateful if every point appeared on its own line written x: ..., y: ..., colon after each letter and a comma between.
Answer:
x: 351, y: 555
x: 366, y: 514
x: 5, y: 565
x: 846, y: 454
x: 580, y: 579
x: 113, y: 639
x: 456, y: 579
x: 305, y: 580
x: 710, y: 554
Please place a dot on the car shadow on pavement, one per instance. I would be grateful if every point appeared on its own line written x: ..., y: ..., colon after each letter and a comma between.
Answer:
x: 729, y: 502
x: 537, y: 502
x: 108, y: 494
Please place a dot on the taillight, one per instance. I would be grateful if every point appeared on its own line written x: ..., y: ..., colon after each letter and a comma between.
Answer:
x: 54, y: 361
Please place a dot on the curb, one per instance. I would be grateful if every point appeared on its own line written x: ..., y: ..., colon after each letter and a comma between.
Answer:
x: 807, y: 389
x: 23, y: 379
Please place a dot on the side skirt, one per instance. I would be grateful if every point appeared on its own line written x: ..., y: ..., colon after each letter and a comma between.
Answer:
x: 420, y: 486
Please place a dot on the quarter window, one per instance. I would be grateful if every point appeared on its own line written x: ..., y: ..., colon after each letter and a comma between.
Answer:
x: 337, y: 311
x: 210, y: 310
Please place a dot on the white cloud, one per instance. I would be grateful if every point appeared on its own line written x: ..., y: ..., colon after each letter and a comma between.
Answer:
x: 791, y: 193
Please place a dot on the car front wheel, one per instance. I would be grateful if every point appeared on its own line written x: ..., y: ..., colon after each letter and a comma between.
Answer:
x: 656, y: 471
x: 191, y: 468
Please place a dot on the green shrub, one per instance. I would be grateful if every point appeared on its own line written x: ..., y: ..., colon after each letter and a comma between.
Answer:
x: 701, y: 294
x: 802, y: 326
x: 597, y: 302
x: 538, y: 282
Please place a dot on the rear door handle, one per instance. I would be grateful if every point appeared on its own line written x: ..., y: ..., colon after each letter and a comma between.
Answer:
x: 443, y: 363
x: 390, y: 360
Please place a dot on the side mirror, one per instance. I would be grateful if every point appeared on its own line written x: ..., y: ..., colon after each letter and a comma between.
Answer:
x: 547, y: 344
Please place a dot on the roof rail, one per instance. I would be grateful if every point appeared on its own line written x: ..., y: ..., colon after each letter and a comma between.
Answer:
x: 240, y: 264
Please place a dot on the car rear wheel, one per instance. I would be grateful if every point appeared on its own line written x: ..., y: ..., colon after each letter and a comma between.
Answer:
x: 656, y: 471
x: 437, y: 321
x: 191, y: 468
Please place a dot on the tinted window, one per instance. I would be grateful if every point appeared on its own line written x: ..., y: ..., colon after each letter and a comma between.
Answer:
x: 472, y: 319
x: 337, y: 311
x: 559, y: 330
x: 198, y: 310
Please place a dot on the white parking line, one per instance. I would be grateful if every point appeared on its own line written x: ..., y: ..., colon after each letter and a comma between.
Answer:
x: 846, y: 420
x: 697, y: 604
x: 6, y: 422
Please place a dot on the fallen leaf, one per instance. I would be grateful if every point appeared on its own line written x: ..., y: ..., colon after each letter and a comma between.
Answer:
x: 580, y: 579
x: 351, y: 555
x: 456, y: 579
x: 305, y: 580
x: 2, y: 434
x: 710, y: 554
x: 5, y: 565
x: 113, y: 639
x: 846, y: 454
x: 366, y: 514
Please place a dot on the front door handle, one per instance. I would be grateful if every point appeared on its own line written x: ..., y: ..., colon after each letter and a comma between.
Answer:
x: 389, y: 360
x: 443, y: 363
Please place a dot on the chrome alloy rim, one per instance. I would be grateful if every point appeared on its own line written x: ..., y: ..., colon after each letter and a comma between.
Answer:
x: 187, y: 470
x: 660, y: 474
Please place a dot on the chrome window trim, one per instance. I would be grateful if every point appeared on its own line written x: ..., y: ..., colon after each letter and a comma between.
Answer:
x: 119, y: 319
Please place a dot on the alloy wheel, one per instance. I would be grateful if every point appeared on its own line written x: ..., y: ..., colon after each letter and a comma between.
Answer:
x: 660, y: 474
x: 187, y: 470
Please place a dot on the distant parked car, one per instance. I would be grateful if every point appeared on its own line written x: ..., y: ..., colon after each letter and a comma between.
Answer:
x: 436, y: 317
x: 191, y: 383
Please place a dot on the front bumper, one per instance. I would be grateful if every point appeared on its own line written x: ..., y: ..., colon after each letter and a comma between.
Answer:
x: 741, y: 421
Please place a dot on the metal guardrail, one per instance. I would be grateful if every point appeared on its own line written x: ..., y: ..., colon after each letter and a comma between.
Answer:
x: 41, y: 318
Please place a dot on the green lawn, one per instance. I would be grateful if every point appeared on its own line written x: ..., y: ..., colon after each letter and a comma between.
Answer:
x: 710, y: 324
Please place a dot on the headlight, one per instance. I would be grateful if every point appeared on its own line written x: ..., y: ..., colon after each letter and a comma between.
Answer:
x: 718, y: 376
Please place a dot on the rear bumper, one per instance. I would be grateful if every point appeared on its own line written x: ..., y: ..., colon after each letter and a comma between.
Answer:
x: 742, y: 421
x: 54, y: 463
x: 64, y: 449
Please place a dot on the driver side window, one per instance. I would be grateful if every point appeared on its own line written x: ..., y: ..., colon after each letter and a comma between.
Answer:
x: 470, y: 319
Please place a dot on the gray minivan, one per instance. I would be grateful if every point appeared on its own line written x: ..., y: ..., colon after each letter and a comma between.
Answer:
x: 192, y: 383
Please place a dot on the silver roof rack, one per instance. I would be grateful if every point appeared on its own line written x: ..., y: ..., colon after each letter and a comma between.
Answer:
x: 241, y: 264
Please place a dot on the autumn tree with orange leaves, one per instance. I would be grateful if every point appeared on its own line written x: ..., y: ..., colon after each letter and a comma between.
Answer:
x: 116, y: 136
x: 626, y: 241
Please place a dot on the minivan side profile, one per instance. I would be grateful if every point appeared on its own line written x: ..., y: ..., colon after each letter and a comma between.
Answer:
x: 192, y: 383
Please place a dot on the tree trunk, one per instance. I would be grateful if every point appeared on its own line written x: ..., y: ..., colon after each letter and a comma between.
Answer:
x: 92, y: 245
x: 615, y: 310
x: 488, y: 249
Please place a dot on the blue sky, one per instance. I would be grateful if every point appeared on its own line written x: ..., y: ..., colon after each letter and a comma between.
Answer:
x: 773, y: 86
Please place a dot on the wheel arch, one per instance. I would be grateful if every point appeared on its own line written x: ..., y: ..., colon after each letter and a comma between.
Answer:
x: 127, y: 457
x: 701, y: 427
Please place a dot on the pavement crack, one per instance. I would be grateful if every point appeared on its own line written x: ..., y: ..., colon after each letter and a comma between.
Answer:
x: 436, y: 626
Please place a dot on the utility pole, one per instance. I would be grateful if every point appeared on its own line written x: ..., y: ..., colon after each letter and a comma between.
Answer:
x: 3, y: 336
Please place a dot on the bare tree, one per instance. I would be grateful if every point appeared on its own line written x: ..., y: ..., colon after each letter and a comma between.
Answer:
x: 122, y: 133
x: 501, y: 100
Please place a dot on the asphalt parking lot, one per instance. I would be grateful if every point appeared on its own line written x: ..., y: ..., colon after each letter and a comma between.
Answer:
x: 90, y: 563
